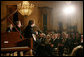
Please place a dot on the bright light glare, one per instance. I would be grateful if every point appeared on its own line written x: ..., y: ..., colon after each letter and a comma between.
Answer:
x: 69, y: 10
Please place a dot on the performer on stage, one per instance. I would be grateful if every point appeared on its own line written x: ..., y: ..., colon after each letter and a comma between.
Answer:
x: 30, y: 33
x: 29, y: 30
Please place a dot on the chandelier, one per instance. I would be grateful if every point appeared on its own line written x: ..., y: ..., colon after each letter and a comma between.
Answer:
x: 25, y: 8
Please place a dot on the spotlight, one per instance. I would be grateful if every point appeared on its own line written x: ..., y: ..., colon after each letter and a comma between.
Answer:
x: 69, y: 9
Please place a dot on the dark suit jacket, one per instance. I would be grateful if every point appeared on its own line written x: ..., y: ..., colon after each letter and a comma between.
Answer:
x: 28, y: 32
x: 9, y: 30
x: 55, y: 42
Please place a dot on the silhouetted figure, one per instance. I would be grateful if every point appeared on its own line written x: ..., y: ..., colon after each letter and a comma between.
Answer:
x: 29, y: 33
x: 29, y: 30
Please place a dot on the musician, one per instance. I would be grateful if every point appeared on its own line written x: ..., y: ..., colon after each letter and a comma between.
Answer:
x: 18, y: 27
x: 10, y: 28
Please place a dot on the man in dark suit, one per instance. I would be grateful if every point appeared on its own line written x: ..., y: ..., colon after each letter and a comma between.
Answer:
x: 54, y: 41
x: 54, y: 44
x: 10, y: 28
x: 29, y: 30
x: 29, y: 33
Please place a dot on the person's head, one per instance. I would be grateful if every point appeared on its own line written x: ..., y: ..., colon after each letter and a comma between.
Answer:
x: 82, y: 36
x: 48, y: 36
x: 31, y: 23
x: 18, y: 23
x: 64, y: 35
x: 52, y: 36
x: 67, y: 35
x: 55, y: 35
x: 41, y: 34
x: 11, y: 26
x: 77, y: 51
x: 59, y: 35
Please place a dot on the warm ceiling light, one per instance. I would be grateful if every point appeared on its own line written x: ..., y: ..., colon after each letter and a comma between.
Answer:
x: 25, y: 8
